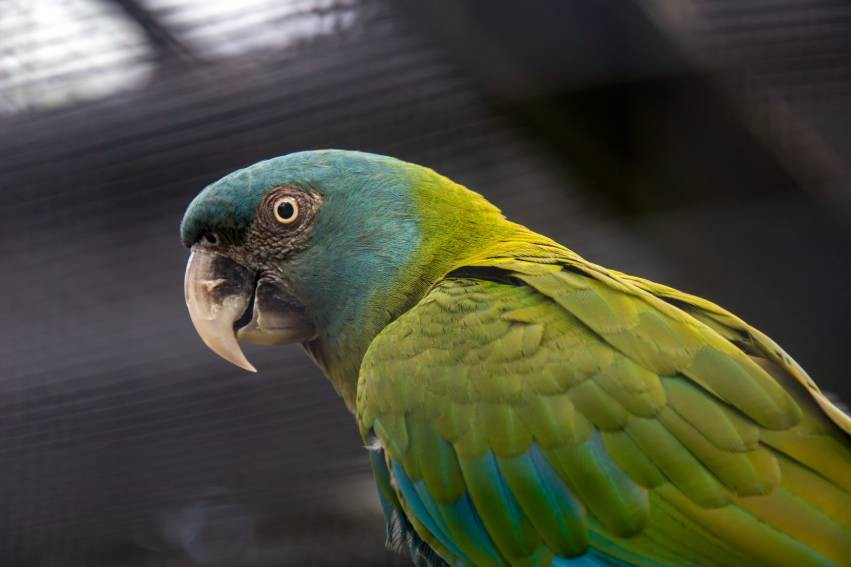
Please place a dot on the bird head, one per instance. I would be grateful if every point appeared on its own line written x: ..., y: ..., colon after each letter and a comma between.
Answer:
x: 323, y: 248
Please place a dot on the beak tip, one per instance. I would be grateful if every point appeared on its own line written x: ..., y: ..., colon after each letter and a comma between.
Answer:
x: 233, y: 354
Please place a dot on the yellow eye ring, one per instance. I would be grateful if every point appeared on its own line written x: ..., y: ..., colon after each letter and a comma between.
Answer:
x: 286, y: 210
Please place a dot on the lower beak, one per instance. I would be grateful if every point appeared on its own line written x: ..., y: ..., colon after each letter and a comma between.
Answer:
x: 218, y: 293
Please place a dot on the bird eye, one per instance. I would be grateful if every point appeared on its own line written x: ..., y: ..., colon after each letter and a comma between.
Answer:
x: 286, y: 210
x: 211, y: 238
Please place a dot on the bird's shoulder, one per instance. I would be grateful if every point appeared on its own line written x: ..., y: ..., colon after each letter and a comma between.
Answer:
x: 537, y: 372
x: 542, y: 307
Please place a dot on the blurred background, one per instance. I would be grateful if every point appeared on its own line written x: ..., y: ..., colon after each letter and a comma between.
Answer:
x: 701, y: 143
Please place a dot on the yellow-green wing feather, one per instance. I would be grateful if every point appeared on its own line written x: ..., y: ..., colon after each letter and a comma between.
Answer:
x: 749, y: 339
x: 563, y: 411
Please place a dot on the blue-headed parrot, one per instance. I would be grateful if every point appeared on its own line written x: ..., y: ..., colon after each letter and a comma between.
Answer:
x: 520, y: 404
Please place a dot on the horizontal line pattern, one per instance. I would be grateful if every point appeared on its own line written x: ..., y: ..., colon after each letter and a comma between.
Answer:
x: 117, y: 423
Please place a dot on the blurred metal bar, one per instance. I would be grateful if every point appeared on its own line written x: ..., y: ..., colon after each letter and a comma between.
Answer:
x: 168, y: 47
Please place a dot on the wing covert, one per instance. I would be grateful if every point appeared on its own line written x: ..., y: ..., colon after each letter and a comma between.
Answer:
x: 561, y: 417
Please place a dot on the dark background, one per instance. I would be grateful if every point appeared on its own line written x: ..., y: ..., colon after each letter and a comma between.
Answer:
x: 701, y: 143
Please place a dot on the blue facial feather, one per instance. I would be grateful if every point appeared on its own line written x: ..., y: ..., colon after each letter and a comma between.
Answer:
x: 362, y: 237
x: 230, y: 203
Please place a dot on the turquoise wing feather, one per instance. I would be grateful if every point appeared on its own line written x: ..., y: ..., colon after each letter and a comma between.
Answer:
x: 546, y: 417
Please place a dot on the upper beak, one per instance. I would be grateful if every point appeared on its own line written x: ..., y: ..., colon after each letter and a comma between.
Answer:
x: 218, y: 292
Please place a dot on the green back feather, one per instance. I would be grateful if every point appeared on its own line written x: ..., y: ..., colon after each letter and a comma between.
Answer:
x: 668, y: 439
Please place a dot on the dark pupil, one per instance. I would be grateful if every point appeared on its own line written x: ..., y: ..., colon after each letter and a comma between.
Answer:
x: 286, y: 211
x: 211, y: 238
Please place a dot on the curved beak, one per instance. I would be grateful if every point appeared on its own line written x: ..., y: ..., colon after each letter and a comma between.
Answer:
x: 218, y: 293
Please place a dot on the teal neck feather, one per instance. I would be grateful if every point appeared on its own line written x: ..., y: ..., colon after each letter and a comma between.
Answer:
x: 386, y: 232
x: 377, y: 248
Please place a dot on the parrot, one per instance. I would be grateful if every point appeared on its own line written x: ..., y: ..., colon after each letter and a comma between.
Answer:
x: 519, y: 405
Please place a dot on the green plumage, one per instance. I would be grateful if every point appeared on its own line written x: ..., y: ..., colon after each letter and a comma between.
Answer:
x: 672, y: 440
x: 524, y: 406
